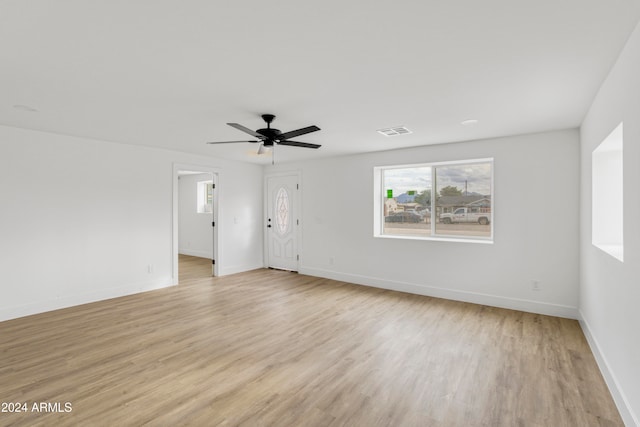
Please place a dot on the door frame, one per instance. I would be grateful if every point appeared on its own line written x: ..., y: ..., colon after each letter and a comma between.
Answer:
x: 298, y: 205
x: 215, y: 174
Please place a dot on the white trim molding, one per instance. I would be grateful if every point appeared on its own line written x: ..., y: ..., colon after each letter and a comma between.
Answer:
x: 628, y: 416
x: 530, y: 306
x: 66, y: 301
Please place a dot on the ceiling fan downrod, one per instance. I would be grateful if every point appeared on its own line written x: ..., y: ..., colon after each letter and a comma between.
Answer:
x: 268, y: 118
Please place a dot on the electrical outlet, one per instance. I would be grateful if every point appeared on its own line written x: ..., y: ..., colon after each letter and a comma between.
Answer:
x: 535, y: 285
x: 331, y: 260
x: 150, y: 268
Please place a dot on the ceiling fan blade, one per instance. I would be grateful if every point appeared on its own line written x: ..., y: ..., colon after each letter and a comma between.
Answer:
x: 294, y: 133
x: 245, y: 129
x: 299, y: 144
x: 228, y: 142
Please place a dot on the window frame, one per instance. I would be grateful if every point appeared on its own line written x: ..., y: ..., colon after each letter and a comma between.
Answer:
x: 380, y: 193
x: 204, y: 196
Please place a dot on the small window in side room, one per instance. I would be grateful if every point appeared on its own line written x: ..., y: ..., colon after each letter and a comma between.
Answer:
x: 205, y: 197
x: 607, y: 226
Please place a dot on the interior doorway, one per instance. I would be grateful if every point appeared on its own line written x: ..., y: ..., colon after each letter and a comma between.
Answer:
x: 195, y: 212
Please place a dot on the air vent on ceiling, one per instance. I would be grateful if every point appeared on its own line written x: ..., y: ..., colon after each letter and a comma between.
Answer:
x: 394, y: 131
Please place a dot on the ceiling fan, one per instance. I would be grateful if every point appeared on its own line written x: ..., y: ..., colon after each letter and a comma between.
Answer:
x: 268, y: 137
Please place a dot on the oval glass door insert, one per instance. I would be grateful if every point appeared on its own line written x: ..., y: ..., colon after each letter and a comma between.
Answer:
x: 282, y: 211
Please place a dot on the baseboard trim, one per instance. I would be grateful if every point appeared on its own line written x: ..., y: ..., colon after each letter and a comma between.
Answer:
x: 199, y: 254
x: 628, y: 416
x: 234, y: 269
x: 452, y: 294
x: 57, y: 303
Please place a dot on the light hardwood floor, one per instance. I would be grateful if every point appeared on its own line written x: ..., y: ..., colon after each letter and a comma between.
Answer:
x: 272, y: 348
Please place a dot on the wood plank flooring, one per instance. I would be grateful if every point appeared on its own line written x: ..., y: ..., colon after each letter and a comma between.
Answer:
x: 272, y: 348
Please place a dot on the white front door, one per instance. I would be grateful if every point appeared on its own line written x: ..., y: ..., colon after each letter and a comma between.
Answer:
x: 282, y: 222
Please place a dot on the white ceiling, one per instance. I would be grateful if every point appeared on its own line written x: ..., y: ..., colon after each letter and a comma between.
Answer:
x: 171, y: 73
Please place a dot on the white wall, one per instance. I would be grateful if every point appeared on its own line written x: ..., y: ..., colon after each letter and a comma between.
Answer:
x: 536, y: 226
x: 195, y: 233
x: 82, y: 220
x: 610, y: 289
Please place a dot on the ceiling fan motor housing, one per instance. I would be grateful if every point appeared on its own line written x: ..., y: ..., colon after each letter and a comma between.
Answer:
x: 268, y: 132
x: 271, y: 135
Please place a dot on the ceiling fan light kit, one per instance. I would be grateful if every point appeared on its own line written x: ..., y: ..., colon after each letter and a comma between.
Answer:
x: 263, y: 150
x: 269, y: 137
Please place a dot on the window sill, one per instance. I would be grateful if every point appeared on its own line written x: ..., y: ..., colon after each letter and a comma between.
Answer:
x: 616, y: 251
x: 481, y: 240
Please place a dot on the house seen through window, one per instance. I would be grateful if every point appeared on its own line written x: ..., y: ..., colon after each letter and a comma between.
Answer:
x: 449, y: 199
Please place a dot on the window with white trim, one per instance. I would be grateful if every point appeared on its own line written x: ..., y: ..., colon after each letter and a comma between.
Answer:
x: 205, y: 197
x: 445, y: 200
